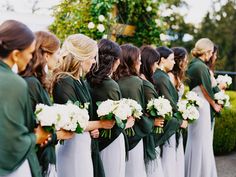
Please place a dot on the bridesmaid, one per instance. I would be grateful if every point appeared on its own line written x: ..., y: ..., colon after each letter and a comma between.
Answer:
x: 199, y: 157
x: 150, y: 58
x: 18, y: 140
x: 127, y: 76
x: 103, y: 87
x: 177, y: 76
x: 216, y: 88
x: 45, y: 56
x: 165, y: 88
x: 78, y: 53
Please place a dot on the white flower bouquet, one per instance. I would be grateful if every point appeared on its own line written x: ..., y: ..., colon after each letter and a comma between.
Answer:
x: 112, y: 110
x: 136, y: 112
x: 222, y: 99
x: 159, y: 107
x: 69, y: 116
x: 187, y: 111
x: 118, y: 111
x: 224, y: 79
x: 194, y: 99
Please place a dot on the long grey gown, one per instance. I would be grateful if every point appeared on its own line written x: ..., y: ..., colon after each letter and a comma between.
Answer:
x: 199, y: 157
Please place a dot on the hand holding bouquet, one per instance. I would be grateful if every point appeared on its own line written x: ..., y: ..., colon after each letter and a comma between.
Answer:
x: 159, y: 107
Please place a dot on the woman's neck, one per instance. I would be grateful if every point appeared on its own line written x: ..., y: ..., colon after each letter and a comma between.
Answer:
x: 143, y: 76
x: 202, y: 58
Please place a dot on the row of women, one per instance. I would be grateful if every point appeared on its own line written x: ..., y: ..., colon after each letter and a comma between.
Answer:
x: 85, y: 71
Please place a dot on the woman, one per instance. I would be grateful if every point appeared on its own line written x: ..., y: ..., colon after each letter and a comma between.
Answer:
x: 17, y: 43
x: 74, y: 157
x: 165, y: 88
x: 45, y: 56
x: 177, y: 76
x: 216, y: 88
x: 199, y: 157
x: 103, y: 87
x: 150, y: 58
x: 131, y: 86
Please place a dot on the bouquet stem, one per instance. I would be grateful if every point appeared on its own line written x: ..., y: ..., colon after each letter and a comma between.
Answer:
x: 158, y: 130
x: 130, y: 131
x: 106, y: 133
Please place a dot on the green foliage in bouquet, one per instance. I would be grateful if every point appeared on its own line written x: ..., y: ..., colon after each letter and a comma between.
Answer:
x: 96, y: 19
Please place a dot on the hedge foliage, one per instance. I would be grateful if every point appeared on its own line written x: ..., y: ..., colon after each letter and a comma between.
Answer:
x: 225, y: 128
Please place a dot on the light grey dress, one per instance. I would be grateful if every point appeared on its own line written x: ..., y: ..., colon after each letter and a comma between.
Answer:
x: 74, y: 157
x: 199, y: 157
x: 173, y: 157
x: 52, y: 170
x: 113, y: 158
x: 154, y: 168
x: 22, y: 171
x: 135, y: 166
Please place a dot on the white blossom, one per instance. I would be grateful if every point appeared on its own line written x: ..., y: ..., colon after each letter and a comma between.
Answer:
x: 91, y: 25
x: 101, y: 18
x: 100, y: 27
x: 161, y: 106
x: 149, y: 9
x: 224, y: 79
x: 222, y: 98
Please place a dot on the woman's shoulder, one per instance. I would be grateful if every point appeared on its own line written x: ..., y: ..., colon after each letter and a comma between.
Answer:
x: 110, y: 83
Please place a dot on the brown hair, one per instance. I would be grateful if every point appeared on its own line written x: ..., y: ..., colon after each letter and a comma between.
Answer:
x: 178, y: 72
x: 14, y: 35
x: 211, y: 63
x: 45, y: 43
x: 129, y: 56
x: 149, y: 56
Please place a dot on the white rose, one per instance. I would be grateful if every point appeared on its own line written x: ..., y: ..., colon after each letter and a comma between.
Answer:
x: 91, y: 25
x: 149, y: 8
x: 100, y: 27
x: 101, y: 18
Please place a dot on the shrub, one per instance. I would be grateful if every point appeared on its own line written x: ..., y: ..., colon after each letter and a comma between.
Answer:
x: 225, y: 131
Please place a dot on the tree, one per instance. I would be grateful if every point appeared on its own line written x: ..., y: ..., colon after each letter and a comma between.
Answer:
x: 220, y: 26
x: 97, y: 18
x: 8, y: 7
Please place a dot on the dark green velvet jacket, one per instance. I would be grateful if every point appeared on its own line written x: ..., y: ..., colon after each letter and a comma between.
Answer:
x: 38, y: 95
x: 108, y: 89
x: 132, y: 87
x: 165, y: 88
x: 68, y: 88
x: 17, y: 142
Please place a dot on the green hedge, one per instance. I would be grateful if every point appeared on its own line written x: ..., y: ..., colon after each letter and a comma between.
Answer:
x: 225, y: 128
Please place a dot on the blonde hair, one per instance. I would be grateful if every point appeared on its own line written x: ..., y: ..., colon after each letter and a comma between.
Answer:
x: 202, y: 46
x: 75, y: 49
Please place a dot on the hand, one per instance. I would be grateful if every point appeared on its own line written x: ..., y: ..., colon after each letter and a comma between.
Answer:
x: 217, y: 107
x: 184, y: 124
x: 107, y: 124
x: 222, y: 86
x: 159, y: 122
x: 64, y: 135
x: 94, y: 133
x: 41, y: 135
x: 130, y: 122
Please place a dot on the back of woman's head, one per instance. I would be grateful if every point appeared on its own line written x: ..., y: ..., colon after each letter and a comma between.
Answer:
x: 14, y: 35
x: 164, y: 52
x: 178, y: 70
x: 45, y: 43
x: 108, y: 53
x: 129, y: 57
x: 149, y: 57
x: 202, y: 46
x: 75, y: 49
